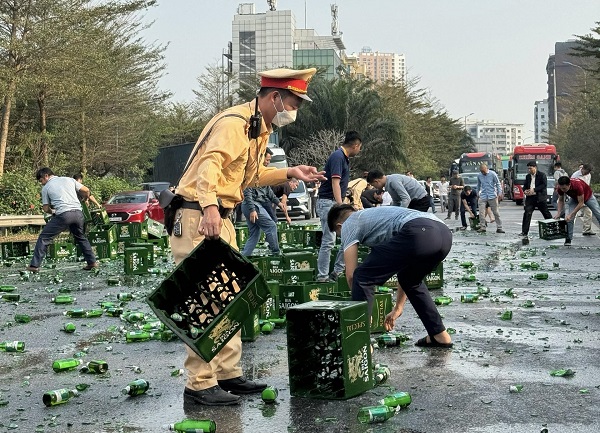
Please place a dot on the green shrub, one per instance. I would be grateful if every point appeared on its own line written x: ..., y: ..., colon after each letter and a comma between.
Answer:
x: 596, y: 187
x: 20, y: 193
x: 103, y: 187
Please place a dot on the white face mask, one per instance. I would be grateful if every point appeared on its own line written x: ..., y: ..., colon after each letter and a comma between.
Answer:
x: 284, y: 117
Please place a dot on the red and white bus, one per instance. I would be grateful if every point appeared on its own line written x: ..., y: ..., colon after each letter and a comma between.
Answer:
x: 543, y: 154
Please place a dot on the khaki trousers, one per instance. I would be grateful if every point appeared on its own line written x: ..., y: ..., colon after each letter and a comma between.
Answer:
x: 226, y: 364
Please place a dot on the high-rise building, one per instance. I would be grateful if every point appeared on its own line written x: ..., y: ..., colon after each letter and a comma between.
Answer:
x: 567, y: 78
x: 271, y: 39
x: 381, y: 67
x: 540, y: 119
x: 502, y: 136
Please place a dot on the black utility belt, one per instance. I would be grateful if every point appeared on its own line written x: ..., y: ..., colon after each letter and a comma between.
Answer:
x: 224, y: 212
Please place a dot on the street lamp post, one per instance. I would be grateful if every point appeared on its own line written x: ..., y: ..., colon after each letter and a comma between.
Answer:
x: 468, y: 115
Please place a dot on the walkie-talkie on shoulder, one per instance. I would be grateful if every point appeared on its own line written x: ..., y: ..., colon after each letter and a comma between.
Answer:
x: 255, y: 123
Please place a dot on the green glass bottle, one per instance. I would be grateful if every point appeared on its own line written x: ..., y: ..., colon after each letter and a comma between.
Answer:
x: 469, y: 297
x: 107, y: 304
x: 63, y: 299
x: 6, y: 289
x: 269, y: 394
x: 443, y: 300
x: 194, y: 426
x: 154, y: 325
x: 467, y: 264
x: 59, y: 396
x: 507, y: 315
x: 541, y: 276
x: 481, y: 290
x: 66, y: 364
x: 114, y: 311
x: 135, y: 336
x: 124, y: 296
x: 470, y: 277
x: 10, y: 297
x: 76, y: 312
x: 12, y: 346
x: 390, y: 339
x: 401, y: 399
x: 137, y: 387
x: 113, y: 281
x: 381, y: 374
x: 375, y: 414
x: 94, y: 313
x: 95, y: 367
x: 69, y: 327
x: 65, y: 290
x: 267, y: 328
x: 134, y: 317
x: 22, y: 318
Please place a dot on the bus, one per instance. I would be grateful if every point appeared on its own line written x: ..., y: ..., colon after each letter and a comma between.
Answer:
x: 543, y: 154
x: 468, y: 167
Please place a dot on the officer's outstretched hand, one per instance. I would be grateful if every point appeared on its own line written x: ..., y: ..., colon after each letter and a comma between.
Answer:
x: 306, y: 173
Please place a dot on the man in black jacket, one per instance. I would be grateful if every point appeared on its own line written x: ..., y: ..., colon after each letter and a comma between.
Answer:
x: 535, y: 190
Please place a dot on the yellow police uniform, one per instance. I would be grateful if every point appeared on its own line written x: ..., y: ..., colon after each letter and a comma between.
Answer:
x: 226, y: 163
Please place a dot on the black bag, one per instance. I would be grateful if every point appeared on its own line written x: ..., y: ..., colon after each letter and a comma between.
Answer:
x: 171, y: 210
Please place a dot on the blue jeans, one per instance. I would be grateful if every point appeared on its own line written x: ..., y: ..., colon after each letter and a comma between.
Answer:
x: 327, y: 242
x: 592, y: 204
x: 266, y: 224
x: 72, y: 220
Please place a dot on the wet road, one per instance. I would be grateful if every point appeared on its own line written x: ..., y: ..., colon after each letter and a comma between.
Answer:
x: 465, y: 389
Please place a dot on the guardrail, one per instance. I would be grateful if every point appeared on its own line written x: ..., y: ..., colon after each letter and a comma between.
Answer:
x: 9, y: 221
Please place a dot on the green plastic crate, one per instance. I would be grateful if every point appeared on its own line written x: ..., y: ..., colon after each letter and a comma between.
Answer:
x: 382, y: 305
x: 294, y: 237
x: 136, y: 260
x: 60, y: 250
x: 241, y: 235
x: 298, y: 276
x: 149, y: 248
x: 87, y: 216
x: 103, y: 234
x: 474, y: 222
x: 99, y: 217
x: 251, y: 328
x: 329, y: 350
x: 551, y: 229
x: 215, y: 289
x: 312, y: 238
x: 299, y: 260
x: 435, y: 280
x: 132, y: 231
x: 15, y: 249
x: 156, y: 230
x: 105, y: 251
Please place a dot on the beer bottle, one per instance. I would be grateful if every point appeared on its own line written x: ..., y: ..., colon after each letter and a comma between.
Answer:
x: 267, y: 328
x: 66, y: 364
x: 76, y: 312
x: 95, y: 367
x: 137, y: 387
x: 391, y: 339
x: 269, y: 394
x: 154, y: 325
x: 194, y: 426
x: 467, y: 264
x: 375, y: 414
x: 69, y: 327
x: 6, y: 289
x: 12, y: 346
x: 107, y: 304
x: 381, y: 374
x: 113, y: 281
x: 507, y: 315
x: 541, y: 276
x: 134, y: 317
x: 94, y: 313
x: 469, y: 298
x: 59, y: 396
x: 10, y: 297
x: 401, y: 399
x: 442, y: 300
x: 134, y: 336
x: 481, y: 290
x: 22, y: 318
x: 114, y: 311
x: 124, y: 296
x: 63, y: 299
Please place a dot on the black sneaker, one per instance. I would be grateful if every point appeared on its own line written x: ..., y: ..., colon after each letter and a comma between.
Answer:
x: 589, y: 234
x: 241, y: 385
x: 213, y: 396
x: 567, y: 242
x: 500, y: 231
x: 333, y: 277
x: 523, y: 234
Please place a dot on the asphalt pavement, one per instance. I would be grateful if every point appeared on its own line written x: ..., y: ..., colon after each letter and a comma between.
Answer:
x: 464, y: 389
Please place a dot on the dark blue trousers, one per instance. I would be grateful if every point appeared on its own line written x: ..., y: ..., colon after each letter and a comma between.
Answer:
x: 412, y: 253
x: 72, y: 220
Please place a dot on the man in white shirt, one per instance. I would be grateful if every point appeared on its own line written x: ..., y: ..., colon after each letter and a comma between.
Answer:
x: 443, y: 189
x: 585, y: 173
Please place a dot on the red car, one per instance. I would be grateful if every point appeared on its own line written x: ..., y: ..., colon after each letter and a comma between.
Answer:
x: 134, y: 207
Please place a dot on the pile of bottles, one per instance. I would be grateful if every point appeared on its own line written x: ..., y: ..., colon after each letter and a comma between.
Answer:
x: 387, y: 408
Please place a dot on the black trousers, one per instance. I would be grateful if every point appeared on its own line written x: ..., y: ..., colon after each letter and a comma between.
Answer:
x: 411, y: 254
x: 421, y: 204
x: 530, y: 206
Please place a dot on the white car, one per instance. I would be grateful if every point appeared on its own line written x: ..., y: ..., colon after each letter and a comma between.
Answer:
x: 550, y: 191
x: 278, y: 159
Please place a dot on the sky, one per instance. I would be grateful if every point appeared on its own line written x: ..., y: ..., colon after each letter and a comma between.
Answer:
x: 486, y: 57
